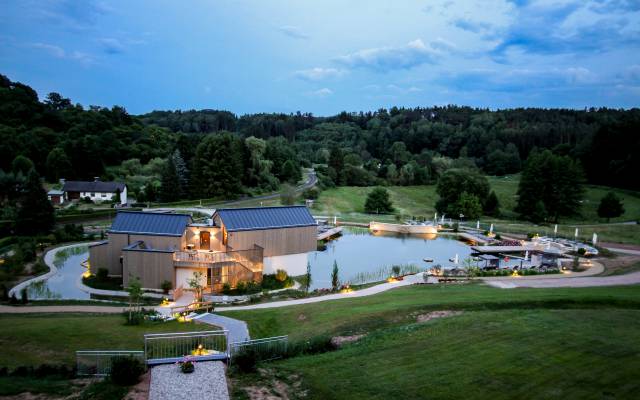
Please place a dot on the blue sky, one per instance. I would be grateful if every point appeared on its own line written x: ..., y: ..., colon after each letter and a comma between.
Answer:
x: 325, y: 56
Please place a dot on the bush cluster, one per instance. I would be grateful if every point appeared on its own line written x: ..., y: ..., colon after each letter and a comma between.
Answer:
x: 40, y: 371
x: 126, y: 371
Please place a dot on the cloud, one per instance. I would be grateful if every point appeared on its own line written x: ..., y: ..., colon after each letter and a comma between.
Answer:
x: 318, y: 74
x: 55, y: 51
x: 293, y: 32
x: 58, y: 52
x: 324, y: 92
x: 385, y: 59
x: 72, y: 14
x: 519, y: 80
x: 543, y: 27
x: 112, y: 45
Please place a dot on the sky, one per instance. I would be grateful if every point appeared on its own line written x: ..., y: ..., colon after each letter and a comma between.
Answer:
x: 325, y: 56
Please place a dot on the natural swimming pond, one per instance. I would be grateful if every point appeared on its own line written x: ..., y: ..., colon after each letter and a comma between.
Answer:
x: 63, y: 284
x: 366, y: 257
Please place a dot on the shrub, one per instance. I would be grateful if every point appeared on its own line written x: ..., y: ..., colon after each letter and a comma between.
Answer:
x: 281, y: 275
x: 102, y: 274
x: 165, y: 286
x: 126, y: 371
x: 241, y: 287
x: 226, y: 288
x: 311, y: 193
x: 315, y: 345
x: 39, y: 267
x: 24, y: 297
x: 395, y: 270
x: 246, y: 360
x: 582, y: 251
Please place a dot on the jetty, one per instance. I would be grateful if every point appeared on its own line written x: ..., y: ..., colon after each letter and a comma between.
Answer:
x: 322, y: 235
x: 401, y: 228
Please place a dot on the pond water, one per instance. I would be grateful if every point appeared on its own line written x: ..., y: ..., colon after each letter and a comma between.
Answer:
x: 366, y: 257
x: 63, y: 284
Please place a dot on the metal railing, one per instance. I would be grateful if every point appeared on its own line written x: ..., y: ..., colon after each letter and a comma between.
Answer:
x: 172, y: 347
x: 98, y: 362
x: 270, y: 348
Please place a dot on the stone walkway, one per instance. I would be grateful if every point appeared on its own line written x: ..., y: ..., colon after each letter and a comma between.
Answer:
x: 238, y: 330
x: 383, y: 287
x: 206, y: 382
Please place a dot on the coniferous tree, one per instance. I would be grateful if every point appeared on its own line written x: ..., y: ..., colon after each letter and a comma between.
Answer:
x: 35, y: 212
x: 218, y: 166
x: 169, y: 183
x: 335, y: 279
x: 182, y: 171
x: 492, y: 205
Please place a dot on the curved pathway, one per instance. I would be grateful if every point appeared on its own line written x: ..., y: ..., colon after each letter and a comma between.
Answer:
x: 238, y: 330
x: 383, y: 287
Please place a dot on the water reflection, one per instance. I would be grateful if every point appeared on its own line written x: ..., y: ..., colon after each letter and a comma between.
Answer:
x: 62, y: 285
x: 363, y: 256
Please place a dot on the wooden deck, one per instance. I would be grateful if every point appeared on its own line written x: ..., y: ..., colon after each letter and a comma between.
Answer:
x: 330, y: 233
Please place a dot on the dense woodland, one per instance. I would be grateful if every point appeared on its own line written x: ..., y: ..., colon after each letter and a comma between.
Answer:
x: 172, y: 155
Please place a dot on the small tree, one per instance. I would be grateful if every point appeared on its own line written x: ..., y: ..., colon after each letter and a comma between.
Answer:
x: 469, y: 205
x: 378, y: 202
x: 195, y: 283
x: 117, y: 198
x: 610, y: 206
x: 135, y: 294
x: 307, y: 283
x: 539, y: 213
x: 288, y: 195
x: 335, y: 281
x: 492, y: 205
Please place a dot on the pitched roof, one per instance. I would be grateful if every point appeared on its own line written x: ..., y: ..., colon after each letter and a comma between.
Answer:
x: 150, y: 223
x: 54, y: 192
x: 93, y: 186
x: 246, y: 219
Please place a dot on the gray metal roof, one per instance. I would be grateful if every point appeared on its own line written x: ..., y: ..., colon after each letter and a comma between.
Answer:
x: 150, y: 223
x: 93, y: 186
x: 54, y: 192
x: 246, y: 219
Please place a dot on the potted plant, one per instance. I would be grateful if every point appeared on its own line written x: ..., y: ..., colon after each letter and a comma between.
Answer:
x: 187, y: 366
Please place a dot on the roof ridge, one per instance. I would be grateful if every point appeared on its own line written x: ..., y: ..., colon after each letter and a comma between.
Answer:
x: 261, y: 208
x: 152, y: 213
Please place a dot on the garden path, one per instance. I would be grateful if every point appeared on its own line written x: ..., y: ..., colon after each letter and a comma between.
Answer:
x: 238, y: 330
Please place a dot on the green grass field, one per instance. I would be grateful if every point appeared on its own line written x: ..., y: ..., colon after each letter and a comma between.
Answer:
x: 524, y: 343
x: 33, y: 339
x: 419, y: 201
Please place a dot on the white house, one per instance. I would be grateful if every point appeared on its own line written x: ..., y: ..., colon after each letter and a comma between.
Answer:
x: 97, y: 190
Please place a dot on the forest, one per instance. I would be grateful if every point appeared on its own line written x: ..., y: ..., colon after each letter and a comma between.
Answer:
x: 172, y: 155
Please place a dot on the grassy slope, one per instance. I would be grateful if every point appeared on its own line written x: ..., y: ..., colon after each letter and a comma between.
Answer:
x: 348, y: 203
x: 524, y: 343
x: 33, y: 339
x: 561, y: 354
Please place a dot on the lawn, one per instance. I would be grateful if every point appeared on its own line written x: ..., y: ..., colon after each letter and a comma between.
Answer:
x: 522, y: 343
x: 533, y: 354
x: 419, y: 201
x: 33, y: 339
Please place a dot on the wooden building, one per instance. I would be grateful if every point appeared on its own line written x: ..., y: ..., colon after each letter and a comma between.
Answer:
x: 238, y: 245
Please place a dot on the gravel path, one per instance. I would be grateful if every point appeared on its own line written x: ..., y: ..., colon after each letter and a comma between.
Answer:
x: 238, y: 331
x: 207, y: 382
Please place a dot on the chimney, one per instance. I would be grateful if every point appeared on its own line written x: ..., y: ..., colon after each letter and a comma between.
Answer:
x: 96, y: 179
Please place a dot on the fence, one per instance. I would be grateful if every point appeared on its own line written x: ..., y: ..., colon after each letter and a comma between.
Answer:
x: 172, y: 347
x: 98, y: 362
x: 268, y: 348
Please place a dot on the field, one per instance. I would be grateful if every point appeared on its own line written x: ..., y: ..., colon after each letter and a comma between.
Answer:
x: 348, y: 204
x: 33, y: 339
x: 525, y: 343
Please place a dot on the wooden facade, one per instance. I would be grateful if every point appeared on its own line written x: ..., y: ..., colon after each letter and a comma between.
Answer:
x: 152, y: 267
x: 276, y: 242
